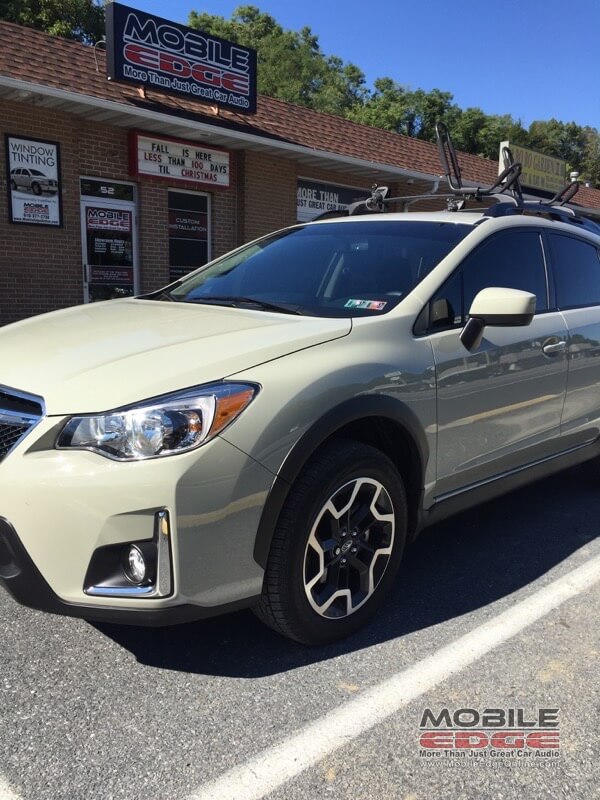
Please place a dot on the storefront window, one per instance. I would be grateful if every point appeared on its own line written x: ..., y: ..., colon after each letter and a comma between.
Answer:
x: 189, y: 235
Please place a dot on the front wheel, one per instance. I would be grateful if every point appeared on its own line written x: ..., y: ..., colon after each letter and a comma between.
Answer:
x: 37, y: 189
x: 337, y: 545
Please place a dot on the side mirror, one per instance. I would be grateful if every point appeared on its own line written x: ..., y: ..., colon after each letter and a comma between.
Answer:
x: 505, y: 308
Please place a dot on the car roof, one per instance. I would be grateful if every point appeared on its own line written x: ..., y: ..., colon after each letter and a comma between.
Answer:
x: 471, y: 218
x: 455, y: 217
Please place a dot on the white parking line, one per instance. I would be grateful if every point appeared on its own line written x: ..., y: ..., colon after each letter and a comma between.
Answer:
x: 276, y: 765
x: 6, y: 793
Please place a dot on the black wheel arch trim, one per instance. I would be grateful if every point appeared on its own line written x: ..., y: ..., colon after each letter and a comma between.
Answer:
x: 352, y: 410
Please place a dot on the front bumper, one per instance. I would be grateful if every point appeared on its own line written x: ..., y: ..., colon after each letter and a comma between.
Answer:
x: 59, y: 507
x: 23, y: 580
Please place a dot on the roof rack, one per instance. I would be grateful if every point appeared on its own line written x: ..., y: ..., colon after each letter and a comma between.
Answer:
x: 507, y: 180
x: 506, y: 193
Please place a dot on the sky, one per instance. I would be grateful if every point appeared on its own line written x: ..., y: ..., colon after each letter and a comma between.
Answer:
x: 534, y: 59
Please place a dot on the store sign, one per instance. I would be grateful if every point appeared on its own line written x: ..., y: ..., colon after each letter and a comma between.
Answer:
x: 189, y: 244
x: 103, y: 219
x: 539, y: 171
x: 107, y: 190
x: 188, y: 225
x: 162, y: 55
x: 178, y: 160
x: 314, y: 198
x: 33, y: 169
x: 109, y: 245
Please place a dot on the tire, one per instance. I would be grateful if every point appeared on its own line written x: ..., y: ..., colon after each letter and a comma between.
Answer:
x: 37, y: 189
x: 337, y: 545
x: 13, y: 186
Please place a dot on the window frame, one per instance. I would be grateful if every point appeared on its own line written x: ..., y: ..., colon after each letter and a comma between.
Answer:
x: 553, y: 267
x: 427, y: 330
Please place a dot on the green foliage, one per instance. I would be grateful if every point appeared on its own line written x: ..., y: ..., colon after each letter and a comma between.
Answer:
x: 480, y: 134
x: 81, y: 20
x: 291, y: 65
x: 412, y: 113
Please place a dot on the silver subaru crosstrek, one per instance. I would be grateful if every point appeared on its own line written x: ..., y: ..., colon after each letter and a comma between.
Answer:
x: 272, y: 430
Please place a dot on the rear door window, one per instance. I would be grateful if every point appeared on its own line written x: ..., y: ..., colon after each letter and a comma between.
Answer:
x: 576, y: 269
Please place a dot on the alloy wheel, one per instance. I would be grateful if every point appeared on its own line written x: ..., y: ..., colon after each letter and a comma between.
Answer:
x: 349, y: 548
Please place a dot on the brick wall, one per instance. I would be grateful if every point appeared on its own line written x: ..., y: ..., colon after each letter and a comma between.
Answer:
x: 41, y: 267
x: 269, y: 194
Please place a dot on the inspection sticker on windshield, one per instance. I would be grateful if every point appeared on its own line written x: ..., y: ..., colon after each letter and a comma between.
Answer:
x: 368, y: 305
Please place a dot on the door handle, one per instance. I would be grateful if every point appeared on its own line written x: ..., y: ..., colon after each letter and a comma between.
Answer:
x: 551, y: 347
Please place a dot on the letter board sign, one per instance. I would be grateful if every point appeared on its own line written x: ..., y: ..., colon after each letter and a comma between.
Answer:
x: 178, y: 160
x: 158, y: 54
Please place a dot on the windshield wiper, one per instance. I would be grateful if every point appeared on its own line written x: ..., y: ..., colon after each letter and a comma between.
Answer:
x: 161, y: 294
x: 235, y: 301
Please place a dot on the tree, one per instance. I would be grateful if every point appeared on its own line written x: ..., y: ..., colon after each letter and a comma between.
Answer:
x: 565, y: 140
x: 480, y: 134
x: 291, y: 65
x: 81, y: 20
x: 398, y: 108
x: 591, y: 161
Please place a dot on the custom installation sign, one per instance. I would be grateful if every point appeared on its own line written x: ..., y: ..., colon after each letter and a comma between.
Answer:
x: 156, y: 53
x: 178, y: 160
x: 33, y: 168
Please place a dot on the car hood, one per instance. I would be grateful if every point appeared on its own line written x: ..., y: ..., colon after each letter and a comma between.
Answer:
x: 102, y: 356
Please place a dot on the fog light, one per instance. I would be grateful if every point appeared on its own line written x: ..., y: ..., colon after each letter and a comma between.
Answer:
x: 139, y: 563
x: 136, y: 565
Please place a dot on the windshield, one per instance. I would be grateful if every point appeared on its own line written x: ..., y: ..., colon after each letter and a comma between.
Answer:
x: 331, y: 269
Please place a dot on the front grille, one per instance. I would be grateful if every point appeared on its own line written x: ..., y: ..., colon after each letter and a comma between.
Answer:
x: 18, y: 414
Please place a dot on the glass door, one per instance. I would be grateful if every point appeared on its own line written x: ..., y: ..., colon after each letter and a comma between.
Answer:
x: 109, y: 240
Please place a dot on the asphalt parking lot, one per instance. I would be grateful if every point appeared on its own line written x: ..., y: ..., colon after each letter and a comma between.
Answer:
x: 108, y: 712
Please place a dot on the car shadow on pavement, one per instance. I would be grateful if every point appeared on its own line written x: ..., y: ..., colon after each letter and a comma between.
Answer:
x: 455, y: 567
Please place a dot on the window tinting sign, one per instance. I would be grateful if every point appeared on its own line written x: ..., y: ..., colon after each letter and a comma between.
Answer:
x: 167, y: 57
x: 33, y: 168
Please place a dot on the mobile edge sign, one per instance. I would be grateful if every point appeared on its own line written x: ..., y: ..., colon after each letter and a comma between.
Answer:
x: 158, y: 54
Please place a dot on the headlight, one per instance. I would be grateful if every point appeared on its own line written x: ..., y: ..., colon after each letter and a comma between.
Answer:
x: 160, y: 427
